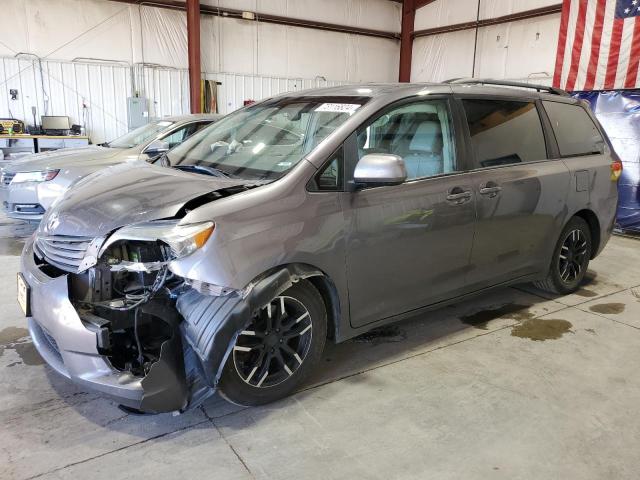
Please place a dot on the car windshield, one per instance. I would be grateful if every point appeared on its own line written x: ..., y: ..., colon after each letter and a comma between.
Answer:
x: 266, y: 140
x: 140, y: 135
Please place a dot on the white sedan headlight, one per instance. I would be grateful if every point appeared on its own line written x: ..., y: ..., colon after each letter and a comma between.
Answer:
x: 183, y: 240
x: 43, y: 176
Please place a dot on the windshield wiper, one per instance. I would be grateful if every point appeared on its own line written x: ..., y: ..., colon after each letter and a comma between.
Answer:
x: 214, y: 172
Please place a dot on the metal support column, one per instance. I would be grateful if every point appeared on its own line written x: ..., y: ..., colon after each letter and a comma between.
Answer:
x: 406, y: 39
x: 195, y: 70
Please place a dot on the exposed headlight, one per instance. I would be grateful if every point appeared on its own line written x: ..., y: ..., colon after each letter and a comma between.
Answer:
x: 44, y: 176
x: 183, y: 240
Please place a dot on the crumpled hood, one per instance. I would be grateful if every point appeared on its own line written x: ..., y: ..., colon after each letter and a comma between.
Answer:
x: 126, y: 194
x: 64, y: 158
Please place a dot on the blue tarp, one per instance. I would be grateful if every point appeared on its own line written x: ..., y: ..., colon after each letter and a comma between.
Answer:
x: 619, y: 114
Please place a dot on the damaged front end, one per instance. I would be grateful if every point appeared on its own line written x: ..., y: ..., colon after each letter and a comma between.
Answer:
x: 121, y: 289
x: 162, y: 336
x: 128, y: 299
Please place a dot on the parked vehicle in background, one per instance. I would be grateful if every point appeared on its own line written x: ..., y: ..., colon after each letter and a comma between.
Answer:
x: 28, y: 187
x: 312, y: 215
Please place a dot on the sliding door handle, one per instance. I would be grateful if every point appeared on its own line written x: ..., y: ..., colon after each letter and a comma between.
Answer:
x: 458, y: 195
x: 491, y: 189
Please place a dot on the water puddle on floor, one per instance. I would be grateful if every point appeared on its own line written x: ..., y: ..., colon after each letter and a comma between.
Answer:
x: 11, y: 246
x: 17, y: 339
x: 583, y: 292
x: 539, y: 329
x: 607, y: 308
x: 480, y: 319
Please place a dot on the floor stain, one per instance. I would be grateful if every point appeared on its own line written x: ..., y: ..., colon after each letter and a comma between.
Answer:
x: 538, y: 329
x: 590, y: 279
x: 17, y: 339
x: 390, y: 334
x: 480, y: 319
x: 11, y: 246
x: 608, y: 308
x: 583, y: 292
x: 12, y: 334
x: 590, y: 330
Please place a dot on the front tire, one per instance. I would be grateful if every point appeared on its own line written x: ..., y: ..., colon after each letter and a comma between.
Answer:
x: 570, y: 259
x: 277, y: 349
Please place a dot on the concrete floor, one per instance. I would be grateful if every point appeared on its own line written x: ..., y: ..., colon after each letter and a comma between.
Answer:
x: 514, y: 385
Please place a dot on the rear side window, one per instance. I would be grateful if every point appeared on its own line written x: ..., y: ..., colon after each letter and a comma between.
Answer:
x: 575, y: 131
x: 504, y: 132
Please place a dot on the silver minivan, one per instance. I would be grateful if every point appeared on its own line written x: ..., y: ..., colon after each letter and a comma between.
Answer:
x: 311, y: 216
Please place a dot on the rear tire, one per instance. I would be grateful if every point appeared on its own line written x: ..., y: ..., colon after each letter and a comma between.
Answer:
x: 277, y: 350
x: 570, y: 259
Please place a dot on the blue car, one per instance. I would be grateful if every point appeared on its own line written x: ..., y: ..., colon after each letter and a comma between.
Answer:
x: 619, y: 114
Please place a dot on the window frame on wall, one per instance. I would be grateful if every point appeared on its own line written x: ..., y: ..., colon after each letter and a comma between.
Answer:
x: 549, y: 141
x: 460, y: 154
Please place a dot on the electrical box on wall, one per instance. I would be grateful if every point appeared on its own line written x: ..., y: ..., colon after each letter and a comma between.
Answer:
x: 137, y: 112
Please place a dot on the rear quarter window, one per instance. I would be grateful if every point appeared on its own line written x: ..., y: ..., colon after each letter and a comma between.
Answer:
x: 574, y: 129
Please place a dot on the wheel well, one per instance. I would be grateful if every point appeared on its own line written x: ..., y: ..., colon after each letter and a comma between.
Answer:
x: 325, y: 286
x: 594, y: 228
x: 329, y: 295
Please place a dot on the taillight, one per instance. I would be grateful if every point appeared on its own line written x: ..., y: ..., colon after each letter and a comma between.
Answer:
x: 616, y: 169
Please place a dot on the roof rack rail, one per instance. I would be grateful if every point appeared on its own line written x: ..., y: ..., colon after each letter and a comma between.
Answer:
x: 507, y: 83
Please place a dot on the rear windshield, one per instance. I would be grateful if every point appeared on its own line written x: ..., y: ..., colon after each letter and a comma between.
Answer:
x: 141, y: 135
x: 575, y: 131
x: 264, y: 141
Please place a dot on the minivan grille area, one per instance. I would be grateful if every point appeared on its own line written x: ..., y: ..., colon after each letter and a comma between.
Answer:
x: 63, y: 252
x: 6, y: 178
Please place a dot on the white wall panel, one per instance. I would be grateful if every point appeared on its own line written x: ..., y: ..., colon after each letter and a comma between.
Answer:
x: 375, y: 14
x: 518, y: 50
x: 62, y: 88
x: 442, y: 57
x: 446, y: 12
x: 254, y: 48
x: 235, y: 89
x: 265, y: 59
x: 499, y: 8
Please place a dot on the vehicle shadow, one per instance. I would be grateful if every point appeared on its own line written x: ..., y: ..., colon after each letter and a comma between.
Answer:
x: 349, y: 361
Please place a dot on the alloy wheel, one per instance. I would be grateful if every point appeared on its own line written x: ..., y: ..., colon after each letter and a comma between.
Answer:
x: 572, y: 256
x: 275, y: 343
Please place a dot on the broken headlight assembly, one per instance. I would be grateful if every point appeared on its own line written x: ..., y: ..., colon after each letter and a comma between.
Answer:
x: 182, y: 240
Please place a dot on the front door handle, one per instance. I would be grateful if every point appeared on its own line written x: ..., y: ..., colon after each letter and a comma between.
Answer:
x: 458, y: 195
x: 490, y: 189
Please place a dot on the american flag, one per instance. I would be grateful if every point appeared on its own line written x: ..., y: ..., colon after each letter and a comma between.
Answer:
x: 599, y: 45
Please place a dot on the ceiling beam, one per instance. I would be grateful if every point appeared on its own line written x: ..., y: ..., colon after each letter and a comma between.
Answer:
x: 513, y: 17
x: 266, y: 18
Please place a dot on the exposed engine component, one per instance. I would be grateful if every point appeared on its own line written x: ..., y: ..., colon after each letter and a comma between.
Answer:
x: 128, y: 297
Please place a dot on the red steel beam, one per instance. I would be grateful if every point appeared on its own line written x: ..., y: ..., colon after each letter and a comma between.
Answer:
x: 406, y: 40
x: 193, y: 41
x: 514, y: 17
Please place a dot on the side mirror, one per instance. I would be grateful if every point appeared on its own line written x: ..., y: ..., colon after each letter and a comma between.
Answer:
x: 156, y: 147
x: 377, y: 169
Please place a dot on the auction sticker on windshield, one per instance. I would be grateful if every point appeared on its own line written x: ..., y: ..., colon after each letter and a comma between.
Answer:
x: 338, y: 107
